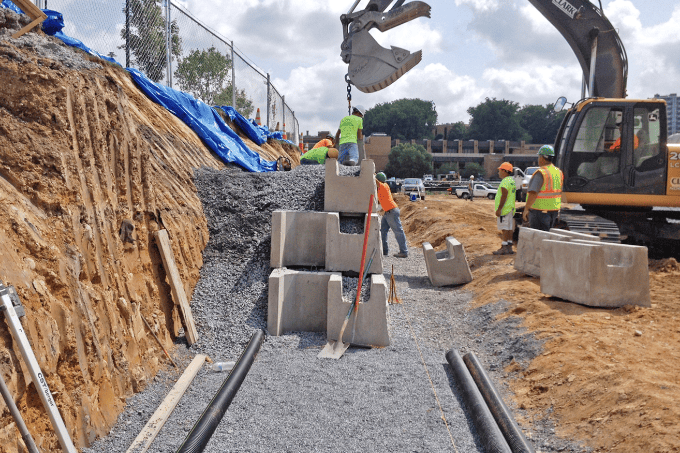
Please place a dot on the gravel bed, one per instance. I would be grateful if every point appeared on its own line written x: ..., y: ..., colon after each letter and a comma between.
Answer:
x: 399, y: 398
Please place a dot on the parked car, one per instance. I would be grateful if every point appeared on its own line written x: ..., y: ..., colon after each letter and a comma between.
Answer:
x: 427, y: 178
x: 522, y: 188
x: 395, y: 186
x: 414, y: 185
x: 479, y: 190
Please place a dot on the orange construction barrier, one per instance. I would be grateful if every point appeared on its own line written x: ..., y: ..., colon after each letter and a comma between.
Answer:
x: 285, y: 137
x: 302, y: 146
x: 257, y: 118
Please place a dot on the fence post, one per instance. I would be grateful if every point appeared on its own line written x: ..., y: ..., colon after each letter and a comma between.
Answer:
x: 127, y: 33
x: 168, y: 45
x: 269, y: 99
x: 233, y: 77
x: 283, y: 107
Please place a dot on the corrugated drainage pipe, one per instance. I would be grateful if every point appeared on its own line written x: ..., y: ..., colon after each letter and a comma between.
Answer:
x: 513, y: 435
x: 205, y: 426
x: 490, y: 436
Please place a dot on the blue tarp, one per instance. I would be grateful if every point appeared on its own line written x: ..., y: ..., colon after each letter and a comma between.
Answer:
x: 202, y: 119
x: 251, y: 129
x: 206, y: 122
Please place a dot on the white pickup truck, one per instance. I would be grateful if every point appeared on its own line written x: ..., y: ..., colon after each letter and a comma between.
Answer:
x: 479, y: 190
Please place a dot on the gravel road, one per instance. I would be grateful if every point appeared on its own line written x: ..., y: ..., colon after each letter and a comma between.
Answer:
x: 401, y: 398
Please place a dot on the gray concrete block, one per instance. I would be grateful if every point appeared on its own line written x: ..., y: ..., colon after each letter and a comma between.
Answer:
x: 349, y: 194
x: 595, y: 274
x: 573, y: 235
x: 528, y: 258
x: 343, y: 251
x: 298, y: 239
x: 371, y: 328
x: 298, y: 301
x: 448, y: 267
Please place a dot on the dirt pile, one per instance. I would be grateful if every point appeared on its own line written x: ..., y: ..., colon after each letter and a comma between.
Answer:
x: 82, y: 153
x: 608, y: 377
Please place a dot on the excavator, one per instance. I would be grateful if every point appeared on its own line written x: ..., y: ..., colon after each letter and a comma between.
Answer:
x: 620, y: 173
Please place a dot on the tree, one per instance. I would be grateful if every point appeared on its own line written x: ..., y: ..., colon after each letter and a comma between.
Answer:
x: 244, y: 105
x: 495, y: 120
x: 408, y: 161
x: 472, y: 168
x: 447, y: 167
x: 403, y: 119
x: 540, y: 122
x: 146, y: 37
x: 458, y: 131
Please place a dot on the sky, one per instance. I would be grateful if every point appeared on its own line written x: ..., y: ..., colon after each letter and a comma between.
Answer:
x: 472, y: 49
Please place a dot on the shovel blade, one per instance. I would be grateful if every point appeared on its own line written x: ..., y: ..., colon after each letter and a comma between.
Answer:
x: 333, y: 350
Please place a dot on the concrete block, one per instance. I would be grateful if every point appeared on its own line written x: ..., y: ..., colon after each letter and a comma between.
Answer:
x: 448, y: 267
x: 298, y: 239
x: 371, y: 327
x: 595, y: 274
x: 528, y: 258
x: 298, y: 301
x: 349, y: 194
x: 343, y: 251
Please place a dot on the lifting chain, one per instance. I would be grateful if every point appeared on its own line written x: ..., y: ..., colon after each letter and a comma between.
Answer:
x: 349, y: 94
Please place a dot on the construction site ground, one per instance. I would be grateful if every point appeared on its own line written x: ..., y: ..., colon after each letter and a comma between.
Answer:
x: 84, y: 152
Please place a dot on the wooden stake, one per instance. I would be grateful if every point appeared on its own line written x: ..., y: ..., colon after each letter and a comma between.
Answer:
x: 31, y: 11
x: 393, y: 298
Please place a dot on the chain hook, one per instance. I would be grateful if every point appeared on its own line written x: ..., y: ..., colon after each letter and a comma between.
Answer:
x: 349, y: 94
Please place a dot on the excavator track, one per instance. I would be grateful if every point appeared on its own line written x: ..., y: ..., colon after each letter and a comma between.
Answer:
x: 589, y: 223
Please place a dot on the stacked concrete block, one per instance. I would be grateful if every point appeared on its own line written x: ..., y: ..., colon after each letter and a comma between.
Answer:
x: 528, y: 258
x: 298, y: 301
x: 343, y: 251
x: 448, y: 267
x: 595, y: 274
x: 369, y: 326
x: 298, y: 239
x: 349, y: 194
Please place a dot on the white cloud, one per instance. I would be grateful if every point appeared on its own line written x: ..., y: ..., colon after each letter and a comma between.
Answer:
x: 480, y: 5
x: 537, y: 85
x: 412, y: 36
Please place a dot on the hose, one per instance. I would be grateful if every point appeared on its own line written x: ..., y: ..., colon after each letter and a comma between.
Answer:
x: 490, y: 436
x: 513, y: 435
x: 200, y: 434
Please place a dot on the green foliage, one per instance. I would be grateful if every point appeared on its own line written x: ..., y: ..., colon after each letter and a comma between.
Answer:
x: 472, y: 168
x: 447, y: 167
x: 403, y: 119
x: 244, y: 105
x: 458, y: 131
x: 495, y: 120
x: 147, y: 40
x: 408, y: 161
x: 540, y: 122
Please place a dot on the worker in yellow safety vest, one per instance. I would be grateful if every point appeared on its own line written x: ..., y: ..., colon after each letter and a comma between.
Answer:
x: 544, y: 197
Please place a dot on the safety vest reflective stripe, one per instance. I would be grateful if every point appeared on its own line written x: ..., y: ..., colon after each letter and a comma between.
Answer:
x: 550, y: 196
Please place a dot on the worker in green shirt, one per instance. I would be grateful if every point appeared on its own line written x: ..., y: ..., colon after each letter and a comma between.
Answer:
x: 505, y: 208
x: 350, y: 132
x: 318, y: 156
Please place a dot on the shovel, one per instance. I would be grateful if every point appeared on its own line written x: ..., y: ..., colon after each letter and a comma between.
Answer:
x: 335, y: 349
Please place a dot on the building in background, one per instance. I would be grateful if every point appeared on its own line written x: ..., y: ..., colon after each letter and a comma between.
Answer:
x: 672, y: 111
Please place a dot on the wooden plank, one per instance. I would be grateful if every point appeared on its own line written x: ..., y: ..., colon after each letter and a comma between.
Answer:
x: 158, y: 419
x: 176, y: 285
x: 31, y: 11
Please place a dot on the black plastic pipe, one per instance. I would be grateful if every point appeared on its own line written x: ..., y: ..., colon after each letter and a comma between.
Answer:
x: 513, y: 435
x: 490, y: 435
x: 200, y: 434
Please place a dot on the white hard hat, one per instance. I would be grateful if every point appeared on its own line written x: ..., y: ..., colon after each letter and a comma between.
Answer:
x: 472, y: 176
x: 360, y: 109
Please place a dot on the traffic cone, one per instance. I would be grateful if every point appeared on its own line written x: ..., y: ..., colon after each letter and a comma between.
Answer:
x: 302, y: 146
x: 285, y: 137
x: 278, y: 123
x: 257, y: 118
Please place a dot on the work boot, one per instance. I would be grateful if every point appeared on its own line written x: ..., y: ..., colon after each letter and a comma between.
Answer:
x: 401, y: 255
x: 509, y: 250
x: 500, y: 251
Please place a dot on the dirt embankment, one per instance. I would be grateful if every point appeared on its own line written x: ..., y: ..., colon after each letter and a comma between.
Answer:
x: 83, y: 151
x: 609, y: 378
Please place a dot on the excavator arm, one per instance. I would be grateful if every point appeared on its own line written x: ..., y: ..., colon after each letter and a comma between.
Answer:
x: 589, y: 33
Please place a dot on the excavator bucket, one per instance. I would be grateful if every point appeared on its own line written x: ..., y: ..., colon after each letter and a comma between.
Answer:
x: 371, y: 66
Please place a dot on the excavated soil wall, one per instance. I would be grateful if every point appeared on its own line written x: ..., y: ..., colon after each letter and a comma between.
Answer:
x: 84, y: 155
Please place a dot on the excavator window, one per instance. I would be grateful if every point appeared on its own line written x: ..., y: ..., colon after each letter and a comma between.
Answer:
x: 597, y: 149
x: 647, y: 155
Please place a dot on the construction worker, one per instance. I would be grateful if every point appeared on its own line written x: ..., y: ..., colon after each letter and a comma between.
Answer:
x: 505, y: 208
x: 616, y: 146
x: 328, y: 142
x: 391, y: 218
x: 544, y: 194
x: 471, y: 186
x: 350, y: 132
x: 318, y: 156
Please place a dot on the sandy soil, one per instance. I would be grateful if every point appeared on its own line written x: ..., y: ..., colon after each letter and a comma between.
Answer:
x: 611, y: 377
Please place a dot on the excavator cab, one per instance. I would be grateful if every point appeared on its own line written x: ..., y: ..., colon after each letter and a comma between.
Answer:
x: 613, y: 146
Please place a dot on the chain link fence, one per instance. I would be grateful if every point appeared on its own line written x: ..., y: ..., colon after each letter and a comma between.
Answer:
x: 170, y: 46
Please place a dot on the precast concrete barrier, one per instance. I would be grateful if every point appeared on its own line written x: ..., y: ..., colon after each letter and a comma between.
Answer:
x: 349, y: 194
x: 528, y: 258
x: 298, y: 301
x: 369, y: 326
x: 298, y: 239
x: 448, y: 267
x: 343, y: 251
x: 595, y: 274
